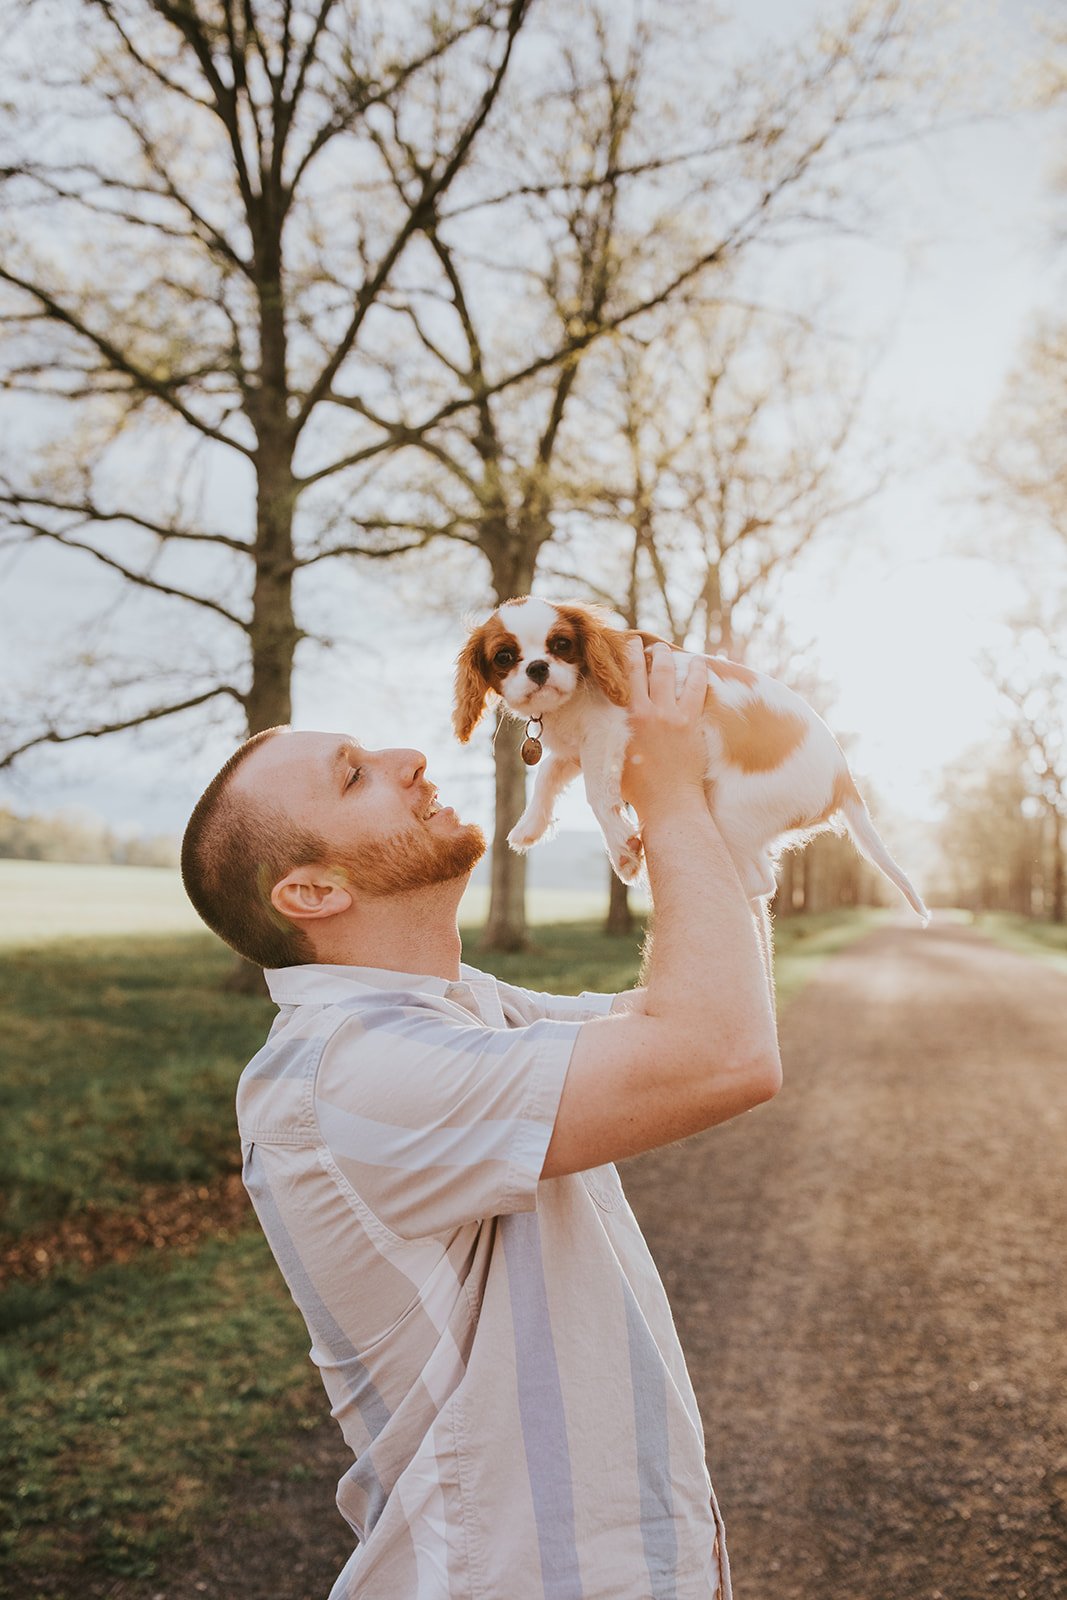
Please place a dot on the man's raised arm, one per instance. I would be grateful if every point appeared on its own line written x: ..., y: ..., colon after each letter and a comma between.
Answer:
x: 703, y: 1047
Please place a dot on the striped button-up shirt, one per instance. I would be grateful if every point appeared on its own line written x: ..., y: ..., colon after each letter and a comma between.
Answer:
x: 498, y: 1350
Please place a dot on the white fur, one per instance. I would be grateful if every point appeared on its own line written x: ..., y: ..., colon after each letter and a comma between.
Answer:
x: 582, y: 731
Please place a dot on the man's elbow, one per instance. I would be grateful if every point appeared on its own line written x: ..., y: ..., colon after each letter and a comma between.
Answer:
x: 762, y: 1076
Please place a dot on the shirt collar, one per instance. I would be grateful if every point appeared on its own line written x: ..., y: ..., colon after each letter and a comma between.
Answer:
x: 319, y: 983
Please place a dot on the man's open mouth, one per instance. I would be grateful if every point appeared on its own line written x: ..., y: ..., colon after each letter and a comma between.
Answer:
x: 431, y: 810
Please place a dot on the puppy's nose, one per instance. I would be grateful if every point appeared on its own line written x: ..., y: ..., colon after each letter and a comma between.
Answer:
x: 538, y: 671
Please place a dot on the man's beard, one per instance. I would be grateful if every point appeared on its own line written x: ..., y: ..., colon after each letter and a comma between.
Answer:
x: 414, y: 859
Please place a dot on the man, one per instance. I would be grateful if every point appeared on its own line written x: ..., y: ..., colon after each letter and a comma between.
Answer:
x: 428, y: 1153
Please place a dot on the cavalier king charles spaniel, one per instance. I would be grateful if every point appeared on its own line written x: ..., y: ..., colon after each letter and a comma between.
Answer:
x: 775, y: 774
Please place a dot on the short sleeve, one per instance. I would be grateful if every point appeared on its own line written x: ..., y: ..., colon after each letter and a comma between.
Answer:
x: 522, y: 1006
x: 435, y: 1121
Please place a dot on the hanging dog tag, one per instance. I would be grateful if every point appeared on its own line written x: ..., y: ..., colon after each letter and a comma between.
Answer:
x: 531, y: 745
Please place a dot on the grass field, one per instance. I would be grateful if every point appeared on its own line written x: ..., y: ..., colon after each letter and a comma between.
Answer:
x: 46, y: 900
x: 43, y: 901
x: 1045, y: 940
x: 138, y: 1390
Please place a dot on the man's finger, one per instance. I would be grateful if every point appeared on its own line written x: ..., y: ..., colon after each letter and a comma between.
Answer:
x: 638, y: 673
x: 694, y: 689
x: 661, y: 675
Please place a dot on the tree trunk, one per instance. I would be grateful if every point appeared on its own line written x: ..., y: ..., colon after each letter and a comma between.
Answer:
x: 782, y: 901
x: 718, y: 614
x: 505, y: 927
x: 268, y: 703
x: 513, y: 559
x: 620, y: 918
x: 798, y: 892
x: 1059, y: 871
x: 274, y: 633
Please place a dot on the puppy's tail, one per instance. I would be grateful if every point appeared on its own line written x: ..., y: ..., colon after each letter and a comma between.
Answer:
x: 865, y: 838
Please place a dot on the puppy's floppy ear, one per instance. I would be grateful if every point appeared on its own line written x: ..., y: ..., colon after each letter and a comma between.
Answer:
x: 472, y: 686
x: 603, y: 650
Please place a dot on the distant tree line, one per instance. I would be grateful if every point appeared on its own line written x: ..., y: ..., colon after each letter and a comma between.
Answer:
x: 1002, y: 840
x: 80, y: 837
x: 826, y: 874
x: 1005, y: 837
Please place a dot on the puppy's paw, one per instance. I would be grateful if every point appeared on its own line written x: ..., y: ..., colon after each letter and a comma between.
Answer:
x: 522, y: 836
x: 629, y: 859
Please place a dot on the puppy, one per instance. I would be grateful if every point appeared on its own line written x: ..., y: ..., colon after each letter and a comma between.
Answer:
x: 775, y: 774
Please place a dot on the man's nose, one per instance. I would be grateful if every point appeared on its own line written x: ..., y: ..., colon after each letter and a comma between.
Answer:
x: 538, y: 671
x: 409, y: 765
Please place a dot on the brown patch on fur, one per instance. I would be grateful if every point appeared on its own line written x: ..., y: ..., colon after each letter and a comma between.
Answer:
x: 476, y: 676
x: 602, y: 648
x: 649, y: 639
x: 755, y: 737
x: 724, y: 668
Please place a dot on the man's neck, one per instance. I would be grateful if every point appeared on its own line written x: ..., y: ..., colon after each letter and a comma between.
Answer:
x: 413, y: 932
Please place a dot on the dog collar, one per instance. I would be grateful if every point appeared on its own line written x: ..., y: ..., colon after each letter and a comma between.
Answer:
x: 531, y: 745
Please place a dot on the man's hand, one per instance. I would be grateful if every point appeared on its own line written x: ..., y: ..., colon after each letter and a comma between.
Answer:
x: 666, y: 755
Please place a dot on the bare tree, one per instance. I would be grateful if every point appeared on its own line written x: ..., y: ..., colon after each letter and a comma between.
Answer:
x: 341, y: 269
x: 738, y: 468
x: 726, y: 450
x: 607, y: 214
x: 1023, y: 457
x: 990, y: 839
x: 198, y: 231
x: 1024, y: 452
x: 1030, y: 673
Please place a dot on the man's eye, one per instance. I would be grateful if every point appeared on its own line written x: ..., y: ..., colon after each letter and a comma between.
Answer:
x: 504, y: 659
x: 560, y: 647
x: 353, y: 775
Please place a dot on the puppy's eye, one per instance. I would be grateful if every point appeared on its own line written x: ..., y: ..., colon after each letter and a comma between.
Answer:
x: 503, y: 660
x: 561, y: 646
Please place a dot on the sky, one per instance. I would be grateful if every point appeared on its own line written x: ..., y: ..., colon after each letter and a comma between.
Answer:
x: 894, y: 617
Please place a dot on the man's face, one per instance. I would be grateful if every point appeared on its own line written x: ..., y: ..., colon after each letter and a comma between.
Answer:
x: 374, y: 810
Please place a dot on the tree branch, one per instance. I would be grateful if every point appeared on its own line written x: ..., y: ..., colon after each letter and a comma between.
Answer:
x: 142, y: 580
x: 421, y: 211
x: 92, y: 513
x: 53, y: 736
x: 118, y: 361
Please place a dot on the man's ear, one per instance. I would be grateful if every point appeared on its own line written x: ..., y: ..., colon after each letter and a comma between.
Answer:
x: 308, y: 894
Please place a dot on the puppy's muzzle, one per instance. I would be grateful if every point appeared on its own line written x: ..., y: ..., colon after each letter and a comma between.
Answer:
x: 538, y: 671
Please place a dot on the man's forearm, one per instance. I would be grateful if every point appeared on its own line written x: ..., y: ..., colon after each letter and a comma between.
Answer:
x: 634, y: 999
x: 706, y: 969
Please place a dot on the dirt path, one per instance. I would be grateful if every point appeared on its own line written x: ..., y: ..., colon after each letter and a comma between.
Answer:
x: 868, y: 1280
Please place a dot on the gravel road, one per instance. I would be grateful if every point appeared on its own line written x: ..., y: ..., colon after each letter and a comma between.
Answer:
x: 868, y: 1279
